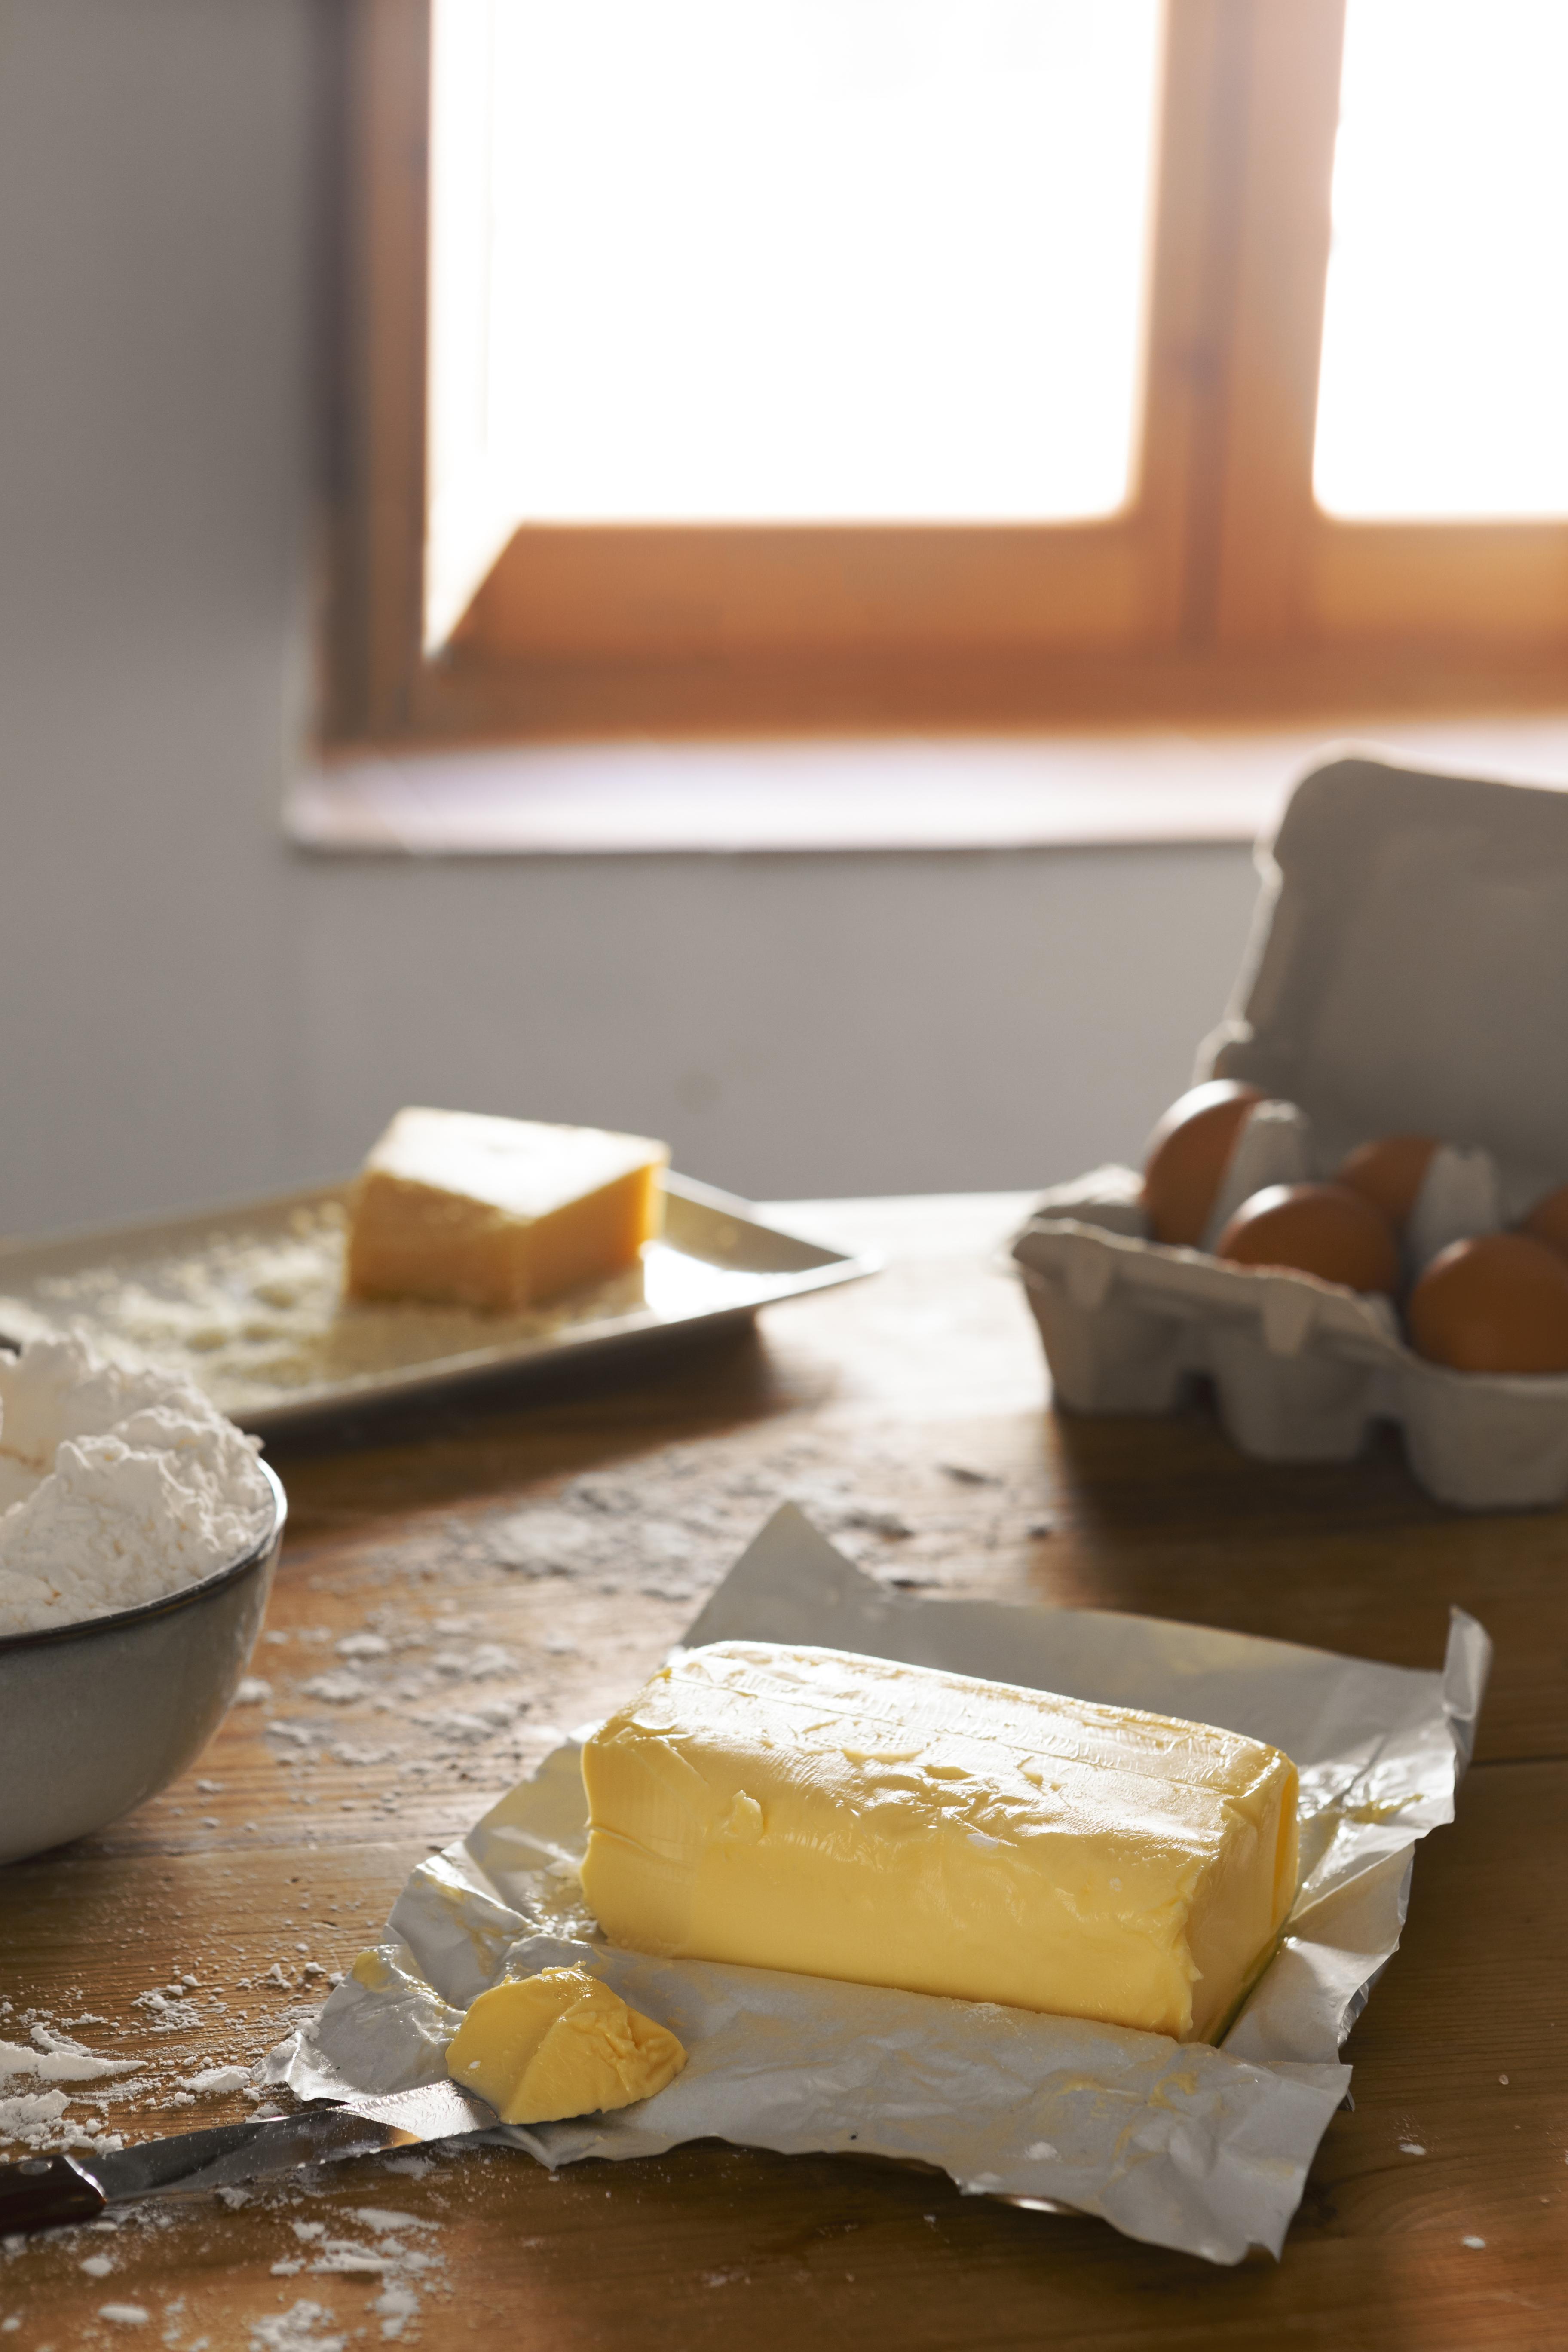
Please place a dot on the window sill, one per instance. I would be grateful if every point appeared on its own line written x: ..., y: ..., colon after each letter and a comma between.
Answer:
x: 860, y: 795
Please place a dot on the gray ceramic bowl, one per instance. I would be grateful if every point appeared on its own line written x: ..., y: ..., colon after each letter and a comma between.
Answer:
x: 97, y: 1717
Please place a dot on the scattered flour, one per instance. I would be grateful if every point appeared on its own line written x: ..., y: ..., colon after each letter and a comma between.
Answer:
x: 55, y: 2059
x: 399, y: 2255
x: 34, y: 2117
x: 258, y: 1318
x: 170, y: 2010
x: 39, y: 2119
x: 300, y: 2329
x: 217, y: 2082
x: 116, y: 1487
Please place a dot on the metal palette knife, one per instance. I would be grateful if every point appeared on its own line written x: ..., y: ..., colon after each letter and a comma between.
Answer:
x: 42, y: 2192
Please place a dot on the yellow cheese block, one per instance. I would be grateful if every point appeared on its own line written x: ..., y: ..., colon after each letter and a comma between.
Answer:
x: 845, y: 1816
x: 559, y: 2043
x: 466, y: 1211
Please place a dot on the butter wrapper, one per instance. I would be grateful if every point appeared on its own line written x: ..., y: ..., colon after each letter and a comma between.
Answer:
x: 1181, y: 2145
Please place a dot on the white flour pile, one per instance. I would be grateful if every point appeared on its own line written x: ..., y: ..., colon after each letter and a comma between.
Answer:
x: 116, y: 1486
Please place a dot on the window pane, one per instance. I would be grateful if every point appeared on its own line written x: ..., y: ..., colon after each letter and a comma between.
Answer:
x: 703, y: 260
x: 1444, y: 388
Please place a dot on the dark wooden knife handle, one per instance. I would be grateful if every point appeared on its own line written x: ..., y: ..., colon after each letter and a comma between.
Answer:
x: 44, y: 2191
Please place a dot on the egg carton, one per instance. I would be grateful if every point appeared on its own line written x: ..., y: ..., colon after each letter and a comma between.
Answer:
x: 1407, y: 973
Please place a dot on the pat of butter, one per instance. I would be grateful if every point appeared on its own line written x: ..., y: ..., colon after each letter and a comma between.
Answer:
x: 467, y: 1210
x: 559, y: 2043
x: 845, y: 1816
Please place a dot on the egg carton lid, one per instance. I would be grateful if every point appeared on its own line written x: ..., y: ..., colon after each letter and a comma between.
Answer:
x: 1409, y: 966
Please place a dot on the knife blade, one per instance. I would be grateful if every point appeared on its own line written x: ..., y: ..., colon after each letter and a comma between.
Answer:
x: 43, y: 2192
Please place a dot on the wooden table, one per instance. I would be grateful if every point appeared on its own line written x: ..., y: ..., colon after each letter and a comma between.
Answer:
x: 912, y: 1403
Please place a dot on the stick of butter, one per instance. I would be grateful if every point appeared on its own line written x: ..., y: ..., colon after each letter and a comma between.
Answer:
x: 845, y: 1816
x: 559, y: 2043
x: 467, y: 1210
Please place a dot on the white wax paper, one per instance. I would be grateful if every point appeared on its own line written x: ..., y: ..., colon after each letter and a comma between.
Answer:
x: 1181, y: 2145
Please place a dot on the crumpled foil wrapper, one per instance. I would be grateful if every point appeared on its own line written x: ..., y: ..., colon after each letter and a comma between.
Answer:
x: 1205, y: 2149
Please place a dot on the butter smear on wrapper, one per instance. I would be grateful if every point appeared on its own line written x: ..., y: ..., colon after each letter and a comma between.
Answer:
x: 546, y: 2047
x: 845, y: 1816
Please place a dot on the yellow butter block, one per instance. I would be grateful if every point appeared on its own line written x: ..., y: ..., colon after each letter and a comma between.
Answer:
x: 462, y: 1209
x: 559, y: 2043
x: 845, y: 1816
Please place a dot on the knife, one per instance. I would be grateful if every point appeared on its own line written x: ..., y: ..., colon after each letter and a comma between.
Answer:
x: 42, y: 2192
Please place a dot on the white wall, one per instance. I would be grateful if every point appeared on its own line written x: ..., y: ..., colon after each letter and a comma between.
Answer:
x: 796, y: 1024
x: 188, y: 1008
x: 152, y: 239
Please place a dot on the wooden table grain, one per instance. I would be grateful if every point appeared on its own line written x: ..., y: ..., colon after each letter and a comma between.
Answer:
x: 457, y: 1587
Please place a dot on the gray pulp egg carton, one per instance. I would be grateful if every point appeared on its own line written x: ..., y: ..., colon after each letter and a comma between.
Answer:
x: 1408, y: 974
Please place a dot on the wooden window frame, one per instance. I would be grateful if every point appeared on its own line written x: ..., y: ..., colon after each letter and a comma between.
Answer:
x: 1222, y: 592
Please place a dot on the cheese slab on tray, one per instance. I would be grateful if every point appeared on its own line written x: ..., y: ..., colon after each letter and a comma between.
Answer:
x: 469, y: 1211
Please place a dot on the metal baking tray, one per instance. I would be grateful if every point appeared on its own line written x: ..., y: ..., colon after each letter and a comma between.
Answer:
x: 185, y: 1291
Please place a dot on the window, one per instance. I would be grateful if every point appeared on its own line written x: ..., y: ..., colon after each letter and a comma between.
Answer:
x: 846, y: 261
x: 1444, y: 383
x: 776, y: 363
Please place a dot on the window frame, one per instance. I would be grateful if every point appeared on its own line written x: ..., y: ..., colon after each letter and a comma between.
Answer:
x: 1291, y: 574
x: 1221, y: 592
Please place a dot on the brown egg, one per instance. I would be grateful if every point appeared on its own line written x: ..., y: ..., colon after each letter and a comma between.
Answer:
x: 1498, y: 1304
x: 1548, y: 1220
x: 1321, y: 1229
x: 1389, y: 1173
x: 1188, y: 1152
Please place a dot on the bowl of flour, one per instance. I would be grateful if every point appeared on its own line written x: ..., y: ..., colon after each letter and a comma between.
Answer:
x: 139, y: 1532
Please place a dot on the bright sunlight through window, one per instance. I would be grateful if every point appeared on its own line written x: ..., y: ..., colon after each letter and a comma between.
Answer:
x: 1444, y: 391
x: 783, y: 260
